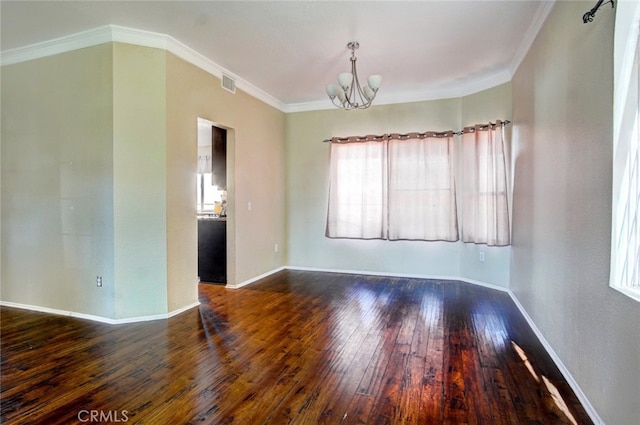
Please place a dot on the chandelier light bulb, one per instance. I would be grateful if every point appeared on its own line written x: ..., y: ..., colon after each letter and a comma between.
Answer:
x: 332, y: 90
x: 368, y: 92
x: 374, y: 81
x: 345, y: 79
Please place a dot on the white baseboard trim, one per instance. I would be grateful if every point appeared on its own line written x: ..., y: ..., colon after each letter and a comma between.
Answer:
x: 183, y: 309
x: 402, y: 275
x: 591, y: 411
x: 100, y: 319
x: 255, y: 279
x: 554, y: 356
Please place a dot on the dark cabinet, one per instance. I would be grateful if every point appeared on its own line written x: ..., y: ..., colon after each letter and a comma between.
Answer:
x: 212, y: 250
x: 219, y: 157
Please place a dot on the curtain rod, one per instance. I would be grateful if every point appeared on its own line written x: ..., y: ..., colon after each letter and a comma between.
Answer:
x: 368, y: 138
x: 588, y: 17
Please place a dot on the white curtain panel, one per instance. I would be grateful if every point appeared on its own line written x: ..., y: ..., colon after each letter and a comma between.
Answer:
x: 403, y: 187
x: 422, y: 195
x: 485, y: 210
x: 357, y: 190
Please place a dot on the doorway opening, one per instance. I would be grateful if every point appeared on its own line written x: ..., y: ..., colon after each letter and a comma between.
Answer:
x: 213, y: 203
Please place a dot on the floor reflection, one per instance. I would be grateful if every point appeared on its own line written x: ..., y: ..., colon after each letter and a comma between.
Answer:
x: 558, y: 400
x: 366, y: 301
x: 296, y: 347
x: 551, y: 390
x: 525, y: 360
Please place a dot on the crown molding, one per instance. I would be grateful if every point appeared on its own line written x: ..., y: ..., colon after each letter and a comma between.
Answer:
x: 116, y: 33
x: 56, y: 46
x: 544, y: 8
x: 195, y: 58
x: 462, y: 89
x: 119, y: 34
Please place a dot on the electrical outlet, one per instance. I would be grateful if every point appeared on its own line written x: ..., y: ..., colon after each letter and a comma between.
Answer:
x: 275, y: 248
x: 249, y: 206
x: 481, y: 257
x: 99, y: 281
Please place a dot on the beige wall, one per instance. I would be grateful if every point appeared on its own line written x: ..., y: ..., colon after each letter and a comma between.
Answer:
x: 307, y: 190
x: 98, y: 158
x: 58, y: 183
x: 256, y: 174
x: 562, y: 110
x: 139, y: 170
x: 98, y: 178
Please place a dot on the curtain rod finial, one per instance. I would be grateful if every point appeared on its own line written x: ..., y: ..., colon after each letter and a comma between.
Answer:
x: 588, y: 17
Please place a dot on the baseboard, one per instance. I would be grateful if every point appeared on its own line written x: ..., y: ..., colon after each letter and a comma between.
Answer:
x: 183, y: 309
x: 100, y: 319
x: 57, y: 312
x: 402, y: 275
x: 588, y: 407
x: 255, y: 279
x: 556, y: 359
x: 554, y: 356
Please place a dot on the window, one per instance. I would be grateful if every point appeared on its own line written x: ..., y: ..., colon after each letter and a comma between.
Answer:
x: 392, y: 188
x: 208, y: 194
x: 422, y: 195
x: 403, y: 187
x: 485, y: 209
x: 209, y: 200
x: 357, y: 192
x: 625, y: 244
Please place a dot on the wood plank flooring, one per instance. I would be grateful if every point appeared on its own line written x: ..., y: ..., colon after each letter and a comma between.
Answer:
x: 294, y: 348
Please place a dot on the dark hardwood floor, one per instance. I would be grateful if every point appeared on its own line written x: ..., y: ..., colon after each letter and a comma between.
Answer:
x: 296, y: 347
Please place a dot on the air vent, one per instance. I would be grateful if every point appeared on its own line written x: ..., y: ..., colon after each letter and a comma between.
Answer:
x: 228, y: 83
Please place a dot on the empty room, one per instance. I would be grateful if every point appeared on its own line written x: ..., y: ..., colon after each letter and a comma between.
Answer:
x: 306, y: 212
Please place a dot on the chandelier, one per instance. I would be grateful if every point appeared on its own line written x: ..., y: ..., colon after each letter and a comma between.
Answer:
x: 348, y: 94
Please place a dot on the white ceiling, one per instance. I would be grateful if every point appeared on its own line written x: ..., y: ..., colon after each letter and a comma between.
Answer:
x: 292, y: 49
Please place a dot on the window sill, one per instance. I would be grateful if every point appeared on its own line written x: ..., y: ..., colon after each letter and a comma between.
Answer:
x: 633, y: 293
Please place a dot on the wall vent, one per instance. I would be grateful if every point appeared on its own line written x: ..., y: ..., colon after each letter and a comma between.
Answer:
x: 228, y: 83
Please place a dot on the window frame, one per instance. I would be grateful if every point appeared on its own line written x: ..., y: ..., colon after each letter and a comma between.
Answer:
x: 625, y: 222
